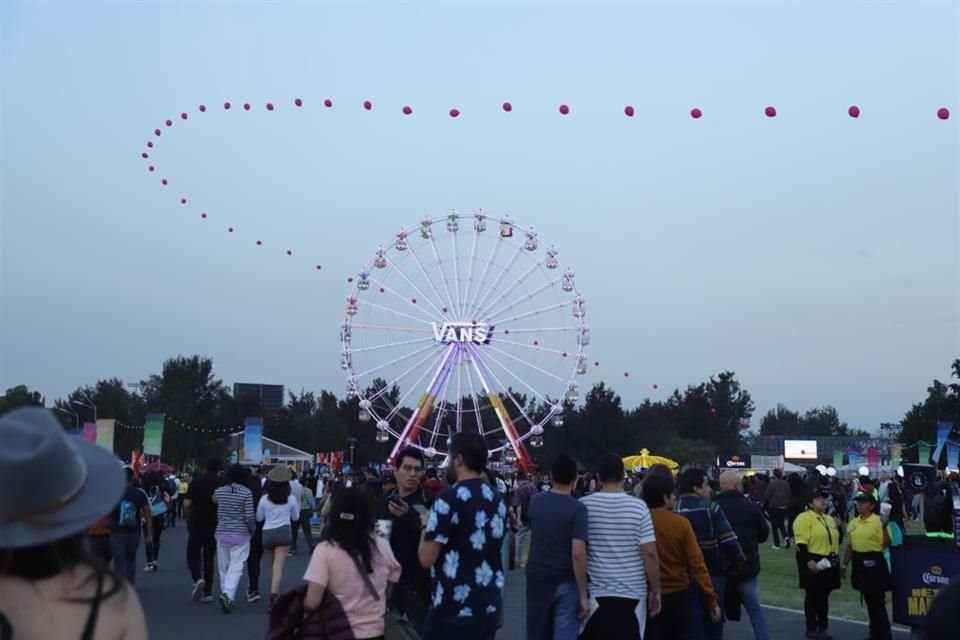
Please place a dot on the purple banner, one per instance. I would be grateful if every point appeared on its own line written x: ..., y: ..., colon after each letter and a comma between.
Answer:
x: 89, y: 433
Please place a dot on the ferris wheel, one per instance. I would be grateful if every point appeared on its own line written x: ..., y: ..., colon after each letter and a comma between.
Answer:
x: 464, y: 322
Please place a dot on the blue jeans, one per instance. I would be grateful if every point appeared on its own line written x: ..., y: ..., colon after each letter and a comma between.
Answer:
x: 552, y: 610
x: 750, y: 598
x: 123, y: 546
x: 699, y: 625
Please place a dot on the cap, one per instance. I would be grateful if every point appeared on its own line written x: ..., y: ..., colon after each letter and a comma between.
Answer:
x: 864, y: 496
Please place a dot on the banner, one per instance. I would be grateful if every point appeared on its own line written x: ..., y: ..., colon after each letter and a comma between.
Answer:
x: 153, y: 434
x: 252, y: 451
x: 924, y: 455
x: 943, y: 430
x: 838, y: 459
x: 735, y: 461
x: 854, y: 459
x: 918, y: 574
x: 105, y: 433
x: 953, y: 455
x: 896, y: 454
x: 873, y: 460
x: 89, y: 432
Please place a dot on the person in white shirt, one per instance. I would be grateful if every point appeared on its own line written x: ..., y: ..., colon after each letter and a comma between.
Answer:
x: 276, y: 510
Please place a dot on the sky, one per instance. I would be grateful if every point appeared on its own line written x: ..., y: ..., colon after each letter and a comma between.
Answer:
x: 816, y: 255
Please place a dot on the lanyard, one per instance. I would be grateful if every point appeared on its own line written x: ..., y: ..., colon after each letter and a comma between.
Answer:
x: 823, y: 521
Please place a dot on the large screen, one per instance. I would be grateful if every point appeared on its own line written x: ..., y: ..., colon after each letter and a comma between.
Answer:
x: 800, y: 449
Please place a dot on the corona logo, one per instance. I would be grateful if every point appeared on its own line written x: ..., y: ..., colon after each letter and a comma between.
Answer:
x: 450, y: 332
x: 935, y: 576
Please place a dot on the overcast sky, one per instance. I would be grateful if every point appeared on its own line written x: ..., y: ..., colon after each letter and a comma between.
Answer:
x: 816, y: 255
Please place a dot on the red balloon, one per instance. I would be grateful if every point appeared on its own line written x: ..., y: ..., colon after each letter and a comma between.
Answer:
x: 226, y: 105
x: 144, y: 155
x: 319, y: 267
x: 597, y: 363
x: 626, y: 374
x: 367, y: 105
x: 454, y: 113
x: 230, y: 229
x: 382, y: 289
x: 656, y: 386
x: 298, y: 102
x: 695, y: 113
x: 164, y: 182
x: 506, y: 332
x: 407, y: 111
x: 246, y: 106
x: 156, y: 132
x: 536, y: 343
x: 183, y: 116
x: 203, y: 215
x: 183, y: 201
x: 564, y: 354
x: 564, y: 109
x: 289, y: 253
x: 713, y: 411
x: 628, y: 110
x: 202, y: 108
x: 413, y: 300
x: 259, y: 242
x: 444, y: 309
x: 169, y: 123
x: 349, y: 279
x: 150, y: 168
x: 770, y: 112
x: 943, y: 113
x: 854, y: 111
x: 507, y: 106
x: 269, y: 106
x: 150, y: 143
x: 328, y: 103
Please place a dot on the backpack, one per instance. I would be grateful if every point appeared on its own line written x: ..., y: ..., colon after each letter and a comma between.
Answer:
x: 157, y: 505
x: 128, y: 515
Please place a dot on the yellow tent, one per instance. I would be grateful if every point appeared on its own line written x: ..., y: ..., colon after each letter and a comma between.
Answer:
x: 645, y: 461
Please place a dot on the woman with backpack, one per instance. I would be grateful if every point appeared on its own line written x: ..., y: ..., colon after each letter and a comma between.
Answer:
x: 352, y: 564
x: 159, y: 495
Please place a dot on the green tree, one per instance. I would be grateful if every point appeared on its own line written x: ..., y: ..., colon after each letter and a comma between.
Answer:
x: 20, y: 396
x: 780, y: 421
x: 942, y: 404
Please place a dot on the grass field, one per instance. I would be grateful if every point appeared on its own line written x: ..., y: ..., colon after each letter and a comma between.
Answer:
x: 779, y: 586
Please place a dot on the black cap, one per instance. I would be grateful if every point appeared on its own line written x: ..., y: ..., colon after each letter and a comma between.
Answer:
x: 817, y: 494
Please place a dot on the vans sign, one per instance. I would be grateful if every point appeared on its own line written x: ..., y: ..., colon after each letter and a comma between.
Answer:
x: 450, y: 332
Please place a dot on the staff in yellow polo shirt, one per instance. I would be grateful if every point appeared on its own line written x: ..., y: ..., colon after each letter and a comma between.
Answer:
x: 817, y: 536
x: 870, y: 576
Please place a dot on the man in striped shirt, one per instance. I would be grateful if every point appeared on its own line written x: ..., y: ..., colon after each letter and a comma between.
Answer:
x: 622, y: 563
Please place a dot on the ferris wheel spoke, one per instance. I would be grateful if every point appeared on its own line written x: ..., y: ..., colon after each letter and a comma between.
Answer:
x: 487, y: 380
x: 459, y: 417
x: 383, y: 287
x: 412, y: 354
x: 500, y: 276
x: 530, y: 314
x: 522, y: 299
x: 545, y: 329
x: 516, y: 283
x: 519, y: 379
x: 423, y: 272
x: 426, y: 298
x: 390, y: 345
x: 384, y: 327
x: 472, y: 306
x: 456, y: 274
x: 443, y: 274
x: 441, y: 410
x: 534, y: 348
x: 420, y: 414
x: 395, y: 411
x: 475, y: 400
x: 526, y: 363
x: 473, y: 260
x: 393, y: 311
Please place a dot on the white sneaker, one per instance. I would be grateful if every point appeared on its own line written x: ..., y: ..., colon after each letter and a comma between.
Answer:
x: 150, y: 568
x: 198, y: 589
x: 775, y: 546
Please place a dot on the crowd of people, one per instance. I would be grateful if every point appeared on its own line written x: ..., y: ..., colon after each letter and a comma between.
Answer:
x: 416, y: 552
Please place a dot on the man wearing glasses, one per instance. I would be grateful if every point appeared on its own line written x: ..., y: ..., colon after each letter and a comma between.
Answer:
x: 400, y: 516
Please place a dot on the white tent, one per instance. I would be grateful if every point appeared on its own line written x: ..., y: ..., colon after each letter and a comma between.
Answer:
x: 279, y: 453
x: 789, y: 467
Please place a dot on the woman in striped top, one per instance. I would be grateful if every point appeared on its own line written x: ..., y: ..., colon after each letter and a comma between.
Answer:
x: 235, y: 525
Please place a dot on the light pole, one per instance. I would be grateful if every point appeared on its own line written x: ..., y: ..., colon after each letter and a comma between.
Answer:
x: 89, y: 405
x: 76, y: 416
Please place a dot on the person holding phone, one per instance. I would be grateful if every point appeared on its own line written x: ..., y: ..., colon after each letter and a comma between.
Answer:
x: 399, y: 519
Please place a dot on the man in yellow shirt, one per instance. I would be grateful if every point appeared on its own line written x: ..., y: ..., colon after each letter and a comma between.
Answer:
x: 871, y: 577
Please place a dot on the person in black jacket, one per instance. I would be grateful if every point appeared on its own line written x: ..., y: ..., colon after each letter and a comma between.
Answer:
x: 751, y: 528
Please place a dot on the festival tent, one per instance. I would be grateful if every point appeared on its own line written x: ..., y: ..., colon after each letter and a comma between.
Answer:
x: 645, y: 461
x: 279, y: 453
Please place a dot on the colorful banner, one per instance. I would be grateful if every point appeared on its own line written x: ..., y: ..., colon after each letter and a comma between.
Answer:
x: 252, y: 451
x: 89, y: 432
x: 943, y: 430
x: 896, y: 454
x: 153, y: 434
x: 838, y: 459
x: 873, y: 460
x: 924, y: 454
x: 105, y: 428
x: 854, y: 459
x: 918, y: 574
x: 953, y: 455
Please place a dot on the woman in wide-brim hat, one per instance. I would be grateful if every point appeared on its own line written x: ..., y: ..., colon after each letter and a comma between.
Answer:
x: 52, y: 488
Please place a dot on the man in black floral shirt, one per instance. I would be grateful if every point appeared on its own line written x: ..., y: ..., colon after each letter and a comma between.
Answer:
x: 461, y: 545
